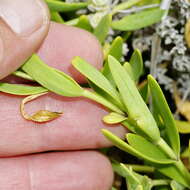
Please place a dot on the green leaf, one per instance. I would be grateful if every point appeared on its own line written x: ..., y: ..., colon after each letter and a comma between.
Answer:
x: 116, y: 51
x: 127, y: 148
x: 103, y: 27
x: 172, y: 172
x: 129, y: 70
x: 22, y: 90
x: 143, y: 90
x: 59, y: 6
x: 147, y: 148
x: 138, y: 20
x: 125, y: 5
x: 183, y: 126
x: 148, y: 2
x: 55, y: 81
x: 23, y: 75
x: 135, y: 106
x: 97, y: 78
x: 84, y: 23
x: 116, y: 48
x: 55, y: 16
x: 114, y: 118
x: 164, y: 111
x: 176, y: 186
x: 136, y: 63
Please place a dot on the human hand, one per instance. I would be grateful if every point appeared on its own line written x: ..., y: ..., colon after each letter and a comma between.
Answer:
x: 76, y: 132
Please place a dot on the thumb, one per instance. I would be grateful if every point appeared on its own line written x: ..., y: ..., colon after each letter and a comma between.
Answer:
x: 23, y: 26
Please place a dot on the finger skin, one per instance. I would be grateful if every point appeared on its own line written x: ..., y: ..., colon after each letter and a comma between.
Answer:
x: 78, y: 128
x: 88, y: 170
x: 63, y: 43
x: 16, y: 48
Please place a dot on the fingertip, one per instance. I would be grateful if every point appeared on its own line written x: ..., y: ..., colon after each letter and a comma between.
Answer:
x: 26, y: 30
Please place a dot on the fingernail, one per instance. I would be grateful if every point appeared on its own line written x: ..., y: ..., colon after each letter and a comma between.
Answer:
x: 24, y: 17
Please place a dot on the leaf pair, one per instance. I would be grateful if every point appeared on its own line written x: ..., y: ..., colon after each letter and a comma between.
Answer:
x: 139, y: 147
x: 135, y: 106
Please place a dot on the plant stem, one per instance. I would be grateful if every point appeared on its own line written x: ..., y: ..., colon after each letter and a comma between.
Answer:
x: 159, y: 182
x: 141, y: 168
x: 166, y: 149
x: 101, y: 100
x: 184, y: 171
x: 125, y: 5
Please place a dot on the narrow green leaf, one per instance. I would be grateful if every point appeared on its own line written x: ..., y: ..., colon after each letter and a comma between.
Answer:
x: 138, y: 20
x: 136, y: 108
x: 114, y: 118
x: 105, y: 95
x: 23, y: 75
x: 125, y: 5
x: 106, y: 72
x: 103, y: 27
x: 84, y: 23
x: 22, y: 90
x: 97, y: 78
x: 129, y: 70
x: 55, y: 81
x: 102, y: 100
x: 116, y: 48
x: 59, y: 6
x: 127, y: 148
x: 72, y: 22
x: 55, y: 16
x: 148, y: 2
x: 183, y: 126
x: 164, y: 110
x: 143, y: 90
x: 136, y: 63
x: 145, y: 147
x: 172, y: 172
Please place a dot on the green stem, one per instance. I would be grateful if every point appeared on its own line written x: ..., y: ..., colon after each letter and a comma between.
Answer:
x: 166, y: 149
x: 141, y: 168
x: 101, y: 100
x: 125, y: 5
x: 184, y: 171
x: 159, y: 182
x: 55, y: 16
